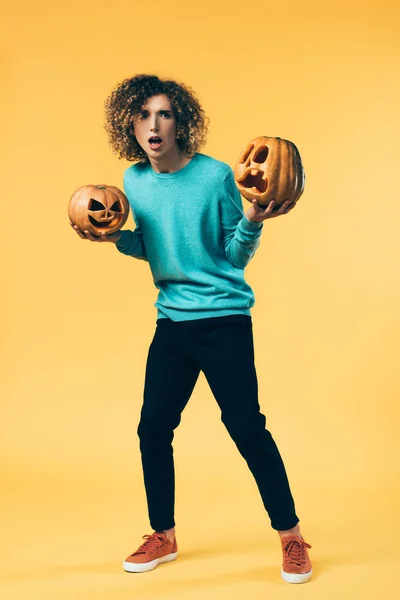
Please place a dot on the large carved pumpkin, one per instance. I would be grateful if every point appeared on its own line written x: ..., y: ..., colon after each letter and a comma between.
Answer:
x: 98, y: 208
x: 270, y: 168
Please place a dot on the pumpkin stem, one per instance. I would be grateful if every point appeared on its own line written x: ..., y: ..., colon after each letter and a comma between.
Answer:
x: 101, y: 187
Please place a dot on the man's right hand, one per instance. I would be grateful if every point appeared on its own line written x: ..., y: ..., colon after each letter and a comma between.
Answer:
x: 104, y: 237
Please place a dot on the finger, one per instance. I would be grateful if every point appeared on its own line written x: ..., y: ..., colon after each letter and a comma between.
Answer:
x: 268, y: 210
x: 283, y: 208
x: 259, y: 207
x: 290, y: 206
x: 78, y: 231
x: 90, y: 236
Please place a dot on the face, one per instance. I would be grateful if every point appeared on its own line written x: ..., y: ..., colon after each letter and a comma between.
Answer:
x: 156, y: 120
x: 98, y: 208
x: 270, y: 168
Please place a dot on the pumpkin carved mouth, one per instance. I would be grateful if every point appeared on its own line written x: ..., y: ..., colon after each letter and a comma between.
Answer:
x: 101, y: 223
x: 256, y: 179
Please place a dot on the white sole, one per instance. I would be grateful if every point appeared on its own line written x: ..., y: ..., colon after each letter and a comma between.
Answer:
x: 295, y: 577
x: 142, y: 567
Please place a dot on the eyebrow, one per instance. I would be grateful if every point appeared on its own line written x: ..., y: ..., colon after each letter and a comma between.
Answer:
x: 161, y: 110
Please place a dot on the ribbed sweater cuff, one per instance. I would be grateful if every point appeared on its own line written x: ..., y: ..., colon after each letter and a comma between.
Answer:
x: 250, y: 225
x: 125, y: 240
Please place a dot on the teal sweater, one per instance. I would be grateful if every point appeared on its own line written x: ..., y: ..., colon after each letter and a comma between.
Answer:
x: 191, y: 228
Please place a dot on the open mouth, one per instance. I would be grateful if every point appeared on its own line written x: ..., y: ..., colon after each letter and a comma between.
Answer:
x: 155, y: 142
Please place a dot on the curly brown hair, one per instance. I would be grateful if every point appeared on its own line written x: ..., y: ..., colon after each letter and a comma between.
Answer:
x: 126, y: 101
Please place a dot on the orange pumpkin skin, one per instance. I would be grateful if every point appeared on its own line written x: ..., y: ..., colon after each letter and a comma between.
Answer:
x: 98, y: 208
x: 270, y: 168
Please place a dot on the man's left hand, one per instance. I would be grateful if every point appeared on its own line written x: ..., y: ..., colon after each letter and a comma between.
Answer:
x: 257, y: 213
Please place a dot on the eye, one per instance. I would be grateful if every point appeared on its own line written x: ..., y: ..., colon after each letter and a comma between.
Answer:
x: 167, y: 115
x: 95, y: 205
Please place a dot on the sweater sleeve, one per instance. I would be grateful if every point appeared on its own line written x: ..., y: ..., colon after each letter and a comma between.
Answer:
x: 241, y: 237
x: 131, y: 243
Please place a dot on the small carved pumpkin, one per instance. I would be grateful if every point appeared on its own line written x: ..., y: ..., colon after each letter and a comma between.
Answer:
x: 98, y: 208
x: 270, y: 168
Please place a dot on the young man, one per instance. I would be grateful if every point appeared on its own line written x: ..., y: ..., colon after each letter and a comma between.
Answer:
x: 191, y: 228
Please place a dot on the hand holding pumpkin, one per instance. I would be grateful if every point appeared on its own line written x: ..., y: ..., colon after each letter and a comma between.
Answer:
x: 103, y: 237
x: 258, y: 214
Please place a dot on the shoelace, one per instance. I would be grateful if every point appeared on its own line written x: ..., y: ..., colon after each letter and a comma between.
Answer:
x: 295, y: 552
x: 152, y: 542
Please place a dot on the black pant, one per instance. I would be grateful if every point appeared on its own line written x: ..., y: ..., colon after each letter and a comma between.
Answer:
x: 221, y: 347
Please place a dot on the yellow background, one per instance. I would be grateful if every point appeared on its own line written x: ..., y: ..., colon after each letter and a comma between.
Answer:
x: 77, y: 317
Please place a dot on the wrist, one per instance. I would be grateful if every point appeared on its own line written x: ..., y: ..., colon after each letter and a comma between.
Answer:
x: 249, y: 224
x: 119, y: 239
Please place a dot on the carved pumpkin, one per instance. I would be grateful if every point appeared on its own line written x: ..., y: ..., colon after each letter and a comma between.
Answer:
x: 270, y: 168
x: 98, y: 208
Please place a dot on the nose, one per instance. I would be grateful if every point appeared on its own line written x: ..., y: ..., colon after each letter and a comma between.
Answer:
x: 154, y: 124
x: 106, y: 216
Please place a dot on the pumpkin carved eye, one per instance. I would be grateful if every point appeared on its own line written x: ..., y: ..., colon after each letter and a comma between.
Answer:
x: 95, y: 205
x: 246, y: 153
x: 116, y: 207
x: 261, y: 155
